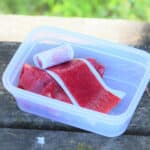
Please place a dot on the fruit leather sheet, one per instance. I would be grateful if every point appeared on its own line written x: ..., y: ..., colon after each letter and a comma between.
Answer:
x: 77, y: 78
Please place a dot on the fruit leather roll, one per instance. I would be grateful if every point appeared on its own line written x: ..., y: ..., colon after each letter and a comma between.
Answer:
x: 53, y: 56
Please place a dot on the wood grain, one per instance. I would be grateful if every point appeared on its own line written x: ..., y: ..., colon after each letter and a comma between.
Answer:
x: 19, y: 139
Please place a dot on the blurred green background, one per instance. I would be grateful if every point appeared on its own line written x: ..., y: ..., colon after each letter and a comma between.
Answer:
x: 125, y: 9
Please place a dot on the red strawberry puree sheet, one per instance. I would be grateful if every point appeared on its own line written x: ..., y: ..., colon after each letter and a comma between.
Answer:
x: 38, y: 81
x: 79, y: 80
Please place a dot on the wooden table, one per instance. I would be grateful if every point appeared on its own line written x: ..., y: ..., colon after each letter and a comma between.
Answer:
x: 19, y: 130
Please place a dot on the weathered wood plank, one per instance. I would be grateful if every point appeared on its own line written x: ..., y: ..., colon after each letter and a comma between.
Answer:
x: 11, y: 116
x: 12, y: 139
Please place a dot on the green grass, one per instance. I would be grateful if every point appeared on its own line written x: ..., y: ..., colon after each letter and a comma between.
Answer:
x: 126, y: 9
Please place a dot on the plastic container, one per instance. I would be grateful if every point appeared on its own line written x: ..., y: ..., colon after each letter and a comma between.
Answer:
x: 127, y: 69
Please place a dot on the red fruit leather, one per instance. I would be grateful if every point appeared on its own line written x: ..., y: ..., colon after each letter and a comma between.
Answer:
x: 38, y: 81
x: 99, y: 68
x: 84, y: 86
x: 33, y: 79
x: 79, y: 80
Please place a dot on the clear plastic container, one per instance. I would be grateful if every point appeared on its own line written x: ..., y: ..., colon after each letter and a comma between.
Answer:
x: 127, y: 69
